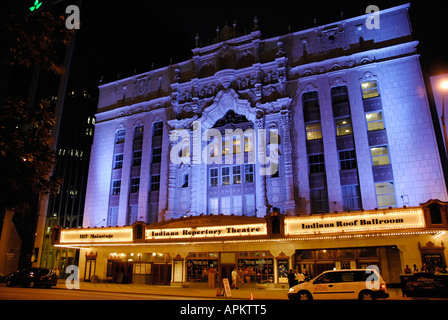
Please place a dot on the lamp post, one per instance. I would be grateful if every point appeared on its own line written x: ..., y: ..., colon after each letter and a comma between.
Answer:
x: 444, y: 87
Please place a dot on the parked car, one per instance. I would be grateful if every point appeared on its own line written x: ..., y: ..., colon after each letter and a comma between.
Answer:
x: 32, y: 277
x: 341, y: 284
x: 425, y: 285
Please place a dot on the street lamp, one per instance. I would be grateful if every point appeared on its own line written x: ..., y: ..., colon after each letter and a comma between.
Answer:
x: 444, y: 87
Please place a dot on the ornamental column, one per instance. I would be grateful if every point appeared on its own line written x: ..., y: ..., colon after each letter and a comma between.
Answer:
x: 260, y: 179
x: 287, y: 151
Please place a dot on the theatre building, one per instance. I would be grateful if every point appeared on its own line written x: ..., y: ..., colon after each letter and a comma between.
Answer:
x: 312, y: 150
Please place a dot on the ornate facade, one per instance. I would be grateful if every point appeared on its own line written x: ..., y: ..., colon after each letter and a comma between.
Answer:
x: 316, y: 121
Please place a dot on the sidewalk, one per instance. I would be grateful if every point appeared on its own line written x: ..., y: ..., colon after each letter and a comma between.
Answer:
x: 244, y: 293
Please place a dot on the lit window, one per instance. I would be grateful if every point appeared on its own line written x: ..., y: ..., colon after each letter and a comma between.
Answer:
x: 313, y: 131
x: 248, y: 144
x: 236, y: 145
x: 385, y: 194
x: 343, y: 127
x: 374, y: 121
x: 380, y: 155
x: 369, y: 89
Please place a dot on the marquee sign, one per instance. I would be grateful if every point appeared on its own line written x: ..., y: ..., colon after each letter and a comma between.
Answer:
x: 371, y: 221
x: 207, y: 232
x: 96, y: 235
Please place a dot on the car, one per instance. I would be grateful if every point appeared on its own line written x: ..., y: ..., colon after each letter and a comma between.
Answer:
x: 32, y: 277
x: 362, y: 284
x: 425, y: 285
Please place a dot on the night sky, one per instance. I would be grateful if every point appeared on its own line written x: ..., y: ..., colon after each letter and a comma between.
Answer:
x: 118, y: 37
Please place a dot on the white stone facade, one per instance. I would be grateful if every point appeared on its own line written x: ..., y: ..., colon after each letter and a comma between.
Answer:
x: 266, y: 80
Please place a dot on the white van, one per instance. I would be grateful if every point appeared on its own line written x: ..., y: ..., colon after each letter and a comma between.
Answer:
x: 363, y: 284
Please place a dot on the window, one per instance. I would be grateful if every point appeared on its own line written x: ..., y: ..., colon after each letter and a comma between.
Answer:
x: 351, y: 198
x: 347, y: 159
x: 310, y: 100
x: 116, y: 186
x: 225, y: 205
x: 138, y: 133
x: 135, y: 185
x: 237, y: 205
x: 118, y: 161
x: 236, y: 171
x: 374, y: 121
x: 250, y: 205
x: 313, y: 131
x: 133, y: 214
x: 119, y: 136
x: 213, y: 177
x: 156, y: 155
x: 157, y: 129
x: 249, y: 173
x: 155, y: 182
x: 236, y: 144
x: 316, y: 163
x: 185, y: 180
x: 385, y: 194
x: 225, y: 176
x: 369, y: 89
x: 319, y: 200
x: 112, y: 219
x: 213, y: 205
x: 248, y: 144
x: 380, y: 155
x: 339, y: 94
x: 225, y: 147
x: 344, y: 127
x: 137, y: 158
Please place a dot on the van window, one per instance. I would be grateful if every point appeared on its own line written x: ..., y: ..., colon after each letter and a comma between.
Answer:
x: 347, y: 277
x: 330, y: 277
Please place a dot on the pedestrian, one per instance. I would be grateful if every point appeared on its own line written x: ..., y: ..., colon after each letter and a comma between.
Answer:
x: 291, y: 278
x: 407, y: 270
x: 415, y: 269
x: 235, y: 279
x: 56, y: 271
x: 300, y: 278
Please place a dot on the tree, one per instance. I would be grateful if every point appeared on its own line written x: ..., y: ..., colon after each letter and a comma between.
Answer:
x: 26, y: 144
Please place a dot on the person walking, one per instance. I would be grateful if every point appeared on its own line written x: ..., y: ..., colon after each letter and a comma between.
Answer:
x: 291, y: 278
x: 235, y: 279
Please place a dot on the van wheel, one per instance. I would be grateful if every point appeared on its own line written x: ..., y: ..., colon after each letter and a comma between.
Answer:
x: 8, y: 283
x: 304, y: 295
x: 366, y: 295
x: 32, y: 284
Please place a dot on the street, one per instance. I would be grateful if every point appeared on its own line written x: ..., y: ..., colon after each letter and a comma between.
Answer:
x: 21, y: 293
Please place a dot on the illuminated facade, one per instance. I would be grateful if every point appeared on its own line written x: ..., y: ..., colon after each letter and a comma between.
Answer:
x: 326, y: 120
